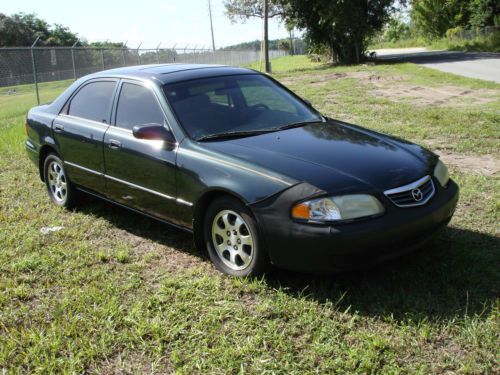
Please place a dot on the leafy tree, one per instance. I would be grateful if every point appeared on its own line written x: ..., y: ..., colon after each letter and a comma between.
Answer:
x: 61, y: 36
x: 343, y: 26
x: 483, y: 13
x: 22, y: 30
x: 255, y: 45
x: 284, y: 45
x: 264, y: 9
x: 107, y: 44
x: 396, y: 29
x: 242, y: 10
x: 435, y: 17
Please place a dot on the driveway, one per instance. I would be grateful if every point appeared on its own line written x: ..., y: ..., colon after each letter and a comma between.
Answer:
x: 482, y: 65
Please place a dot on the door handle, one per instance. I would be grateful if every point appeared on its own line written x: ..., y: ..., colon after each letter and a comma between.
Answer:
x: 114, y: 144
x: 58, y: 128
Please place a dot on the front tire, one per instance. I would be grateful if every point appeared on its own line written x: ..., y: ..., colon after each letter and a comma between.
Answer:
x: 61, y: 190
x: 232, y: 239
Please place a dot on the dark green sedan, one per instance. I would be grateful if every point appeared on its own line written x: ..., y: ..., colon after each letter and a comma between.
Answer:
x: 256, y: 173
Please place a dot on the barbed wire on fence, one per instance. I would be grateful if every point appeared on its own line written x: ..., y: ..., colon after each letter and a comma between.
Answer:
x: 25, y: 65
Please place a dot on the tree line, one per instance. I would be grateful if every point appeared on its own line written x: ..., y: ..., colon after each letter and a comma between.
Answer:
x: 22, y: 29
x: 338, y: 28
x: 343, y: 29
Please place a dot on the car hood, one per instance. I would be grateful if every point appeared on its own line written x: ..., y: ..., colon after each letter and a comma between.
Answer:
x: 333, y: 156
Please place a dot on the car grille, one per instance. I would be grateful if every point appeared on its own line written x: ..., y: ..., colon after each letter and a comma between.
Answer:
x: 417, y: 193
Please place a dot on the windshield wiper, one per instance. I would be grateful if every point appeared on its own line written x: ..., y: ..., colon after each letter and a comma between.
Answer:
x: 295, y: 125
x: 247, y: 133
x: 234, y: 134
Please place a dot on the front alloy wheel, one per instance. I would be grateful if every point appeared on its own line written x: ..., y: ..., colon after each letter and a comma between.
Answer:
x: 232, y: 239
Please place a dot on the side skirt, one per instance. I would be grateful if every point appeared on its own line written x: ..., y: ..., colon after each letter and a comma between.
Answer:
x: 185, y: 229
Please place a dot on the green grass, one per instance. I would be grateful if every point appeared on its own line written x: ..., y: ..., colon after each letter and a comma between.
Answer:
x: 402, y: 43
x: 114, y: 292
x: 288, y: 64
x: 16, y: 100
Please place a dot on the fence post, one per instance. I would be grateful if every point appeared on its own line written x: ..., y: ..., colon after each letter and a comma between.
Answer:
x: 102, y: 58
x: 34, y: 70
x: 158, y: 53
x: 73, y: 59
x: 123, y: 52
x: 174, y: 52
x: 138, y: 54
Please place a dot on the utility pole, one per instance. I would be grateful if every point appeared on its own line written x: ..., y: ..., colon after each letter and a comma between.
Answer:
x: 211, y: 24
x: 266, y: 37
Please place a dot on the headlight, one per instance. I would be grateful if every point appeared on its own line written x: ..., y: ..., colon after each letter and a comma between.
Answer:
x: 343, y: 207
x: 441, y: 173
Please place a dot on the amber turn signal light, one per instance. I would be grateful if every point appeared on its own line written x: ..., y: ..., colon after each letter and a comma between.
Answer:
x: 300, y: 211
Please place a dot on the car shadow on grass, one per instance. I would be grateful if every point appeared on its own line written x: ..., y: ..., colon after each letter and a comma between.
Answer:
x: 140, y: 225
x: 455, y: 275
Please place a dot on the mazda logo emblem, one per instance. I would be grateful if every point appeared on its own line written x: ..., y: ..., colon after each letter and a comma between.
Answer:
x: 417, y: 194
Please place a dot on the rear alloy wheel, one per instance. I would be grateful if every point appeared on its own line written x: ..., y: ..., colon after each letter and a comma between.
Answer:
x: 233, y: 240
x: 60, y: 189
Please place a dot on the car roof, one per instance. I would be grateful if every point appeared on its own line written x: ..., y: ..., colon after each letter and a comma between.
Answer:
x: 170, y: 73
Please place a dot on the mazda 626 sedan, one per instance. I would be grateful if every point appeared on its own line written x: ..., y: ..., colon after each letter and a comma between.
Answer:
x: 251, y: 169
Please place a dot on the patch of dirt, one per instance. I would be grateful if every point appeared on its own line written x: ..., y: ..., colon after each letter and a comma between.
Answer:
x: 323, y: 79
x: 393, y: 87
x: 487, y: 165
x: 320, y: 79
x: 162, y: 250
x: 441, y: 95
x: 131, y: 363
x: 165, y: 251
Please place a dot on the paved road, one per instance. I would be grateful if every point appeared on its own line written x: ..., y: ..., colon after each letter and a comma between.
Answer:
x: 482, y: 65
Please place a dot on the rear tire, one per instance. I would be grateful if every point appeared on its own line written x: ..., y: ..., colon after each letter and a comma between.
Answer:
x: 60, y: 189
x: 232, y: 239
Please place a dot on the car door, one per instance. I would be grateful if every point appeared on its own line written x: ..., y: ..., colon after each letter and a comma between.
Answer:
x: 139, y: 173
x: 79, y: 132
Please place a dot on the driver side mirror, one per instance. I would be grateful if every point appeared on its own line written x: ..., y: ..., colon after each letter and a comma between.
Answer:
x: 154, y: 132
x: 307, y: 102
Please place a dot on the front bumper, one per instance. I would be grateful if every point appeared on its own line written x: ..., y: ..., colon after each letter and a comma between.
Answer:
x: 331, y: 248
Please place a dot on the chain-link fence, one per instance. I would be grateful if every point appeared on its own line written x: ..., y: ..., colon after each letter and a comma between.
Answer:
x: 22, y: 66
x: 459, y: 33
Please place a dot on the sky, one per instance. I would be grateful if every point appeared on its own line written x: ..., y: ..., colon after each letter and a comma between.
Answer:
x: 169, y: 22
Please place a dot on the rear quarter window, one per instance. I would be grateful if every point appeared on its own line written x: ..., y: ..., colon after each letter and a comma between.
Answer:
x: 93, y: 101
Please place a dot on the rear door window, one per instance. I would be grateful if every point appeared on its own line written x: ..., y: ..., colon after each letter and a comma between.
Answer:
x: 137, y: 105
x: 93, y: 101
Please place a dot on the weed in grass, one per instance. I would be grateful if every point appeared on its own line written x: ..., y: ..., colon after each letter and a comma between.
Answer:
x: 123, y: 256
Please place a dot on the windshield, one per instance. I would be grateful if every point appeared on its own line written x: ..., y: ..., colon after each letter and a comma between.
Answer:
x: 238, y: 103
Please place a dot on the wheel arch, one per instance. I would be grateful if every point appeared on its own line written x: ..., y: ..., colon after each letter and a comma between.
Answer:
x: 44, y: 151
x: 199, y: 210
